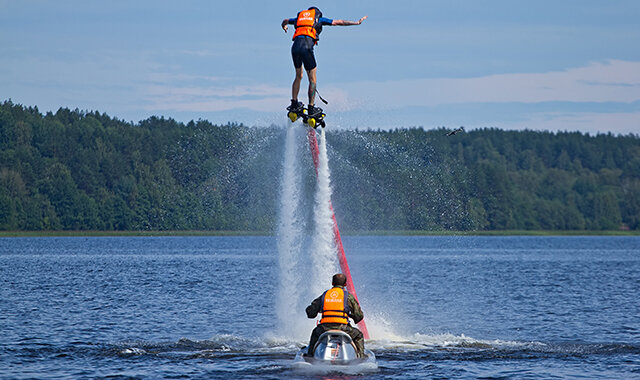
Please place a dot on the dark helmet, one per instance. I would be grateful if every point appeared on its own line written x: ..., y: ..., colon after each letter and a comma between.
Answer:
x: 318, y: 11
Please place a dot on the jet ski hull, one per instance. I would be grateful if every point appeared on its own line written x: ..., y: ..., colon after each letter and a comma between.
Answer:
x: 334, y: 351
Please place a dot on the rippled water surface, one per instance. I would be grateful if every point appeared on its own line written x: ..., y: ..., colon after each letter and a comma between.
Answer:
x: 203, y: 307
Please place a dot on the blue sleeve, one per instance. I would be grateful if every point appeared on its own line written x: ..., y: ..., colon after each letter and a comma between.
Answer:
x: 292, y: 21
x: 325, y: 21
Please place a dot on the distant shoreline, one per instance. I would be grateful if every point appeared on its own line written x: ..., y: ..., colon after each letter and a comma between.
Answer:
x: 353, y: 233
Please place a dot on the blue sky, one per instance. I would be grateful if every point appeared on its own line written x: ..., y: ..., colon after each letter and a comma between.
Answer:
x: 543, y: 65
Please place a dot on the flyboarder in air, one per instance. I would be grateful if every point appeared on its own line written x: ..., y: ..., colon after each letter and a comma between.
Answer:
x: 308, y: 24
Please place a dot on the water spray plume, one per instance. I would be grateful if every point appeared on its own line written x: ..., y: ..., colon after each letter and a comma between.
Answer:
x: 326, y: 250
x: 319, y: 160
x: 289, y: 238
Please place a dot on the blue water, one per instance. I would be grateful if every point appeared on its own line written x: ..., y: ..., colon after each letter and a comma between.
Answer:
x: 203, y: 307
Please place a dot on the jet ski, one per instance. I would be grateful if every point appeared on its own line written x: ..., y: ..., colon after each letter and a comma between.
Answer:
x: 335, y: 350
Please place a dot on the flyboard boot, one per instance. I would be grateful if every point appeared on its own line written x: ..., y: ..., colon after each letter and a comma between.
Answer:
x: 315, y: 117
x: 296, y: 110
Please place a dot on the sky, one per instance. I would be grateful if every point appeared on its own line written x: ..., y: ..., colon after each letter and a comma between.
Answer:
x: 570, y: 65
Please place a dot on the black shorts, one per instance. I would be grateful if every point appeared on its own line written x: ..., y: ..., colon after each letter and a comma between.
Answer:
x: 302, y: 52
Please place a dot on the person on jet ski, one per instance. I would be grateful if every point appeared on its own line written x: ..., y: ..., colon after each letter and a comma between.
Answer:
x: 336, y: 306
x: 308, y: 24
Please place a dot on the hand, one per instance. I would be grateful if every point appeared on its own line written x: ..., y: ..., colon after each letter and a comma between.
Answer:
x: 285, y: 27
x: 361, y: 20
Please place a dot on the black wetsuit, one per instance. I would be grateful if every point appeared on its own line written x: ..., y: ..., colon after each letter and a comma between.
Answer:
x: 302, y: 52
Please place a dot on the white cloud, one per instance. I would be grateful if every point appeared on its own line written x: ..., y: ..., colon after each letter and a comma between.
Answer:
x: 261, y: 105
x: 613, y: 81
x: 621, y: 122
x: 167, y: 78
x: 216, y: 98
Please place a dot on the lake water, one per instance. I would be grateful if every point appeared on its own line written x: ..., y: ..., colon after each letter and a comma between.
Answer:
x: 204, y: 307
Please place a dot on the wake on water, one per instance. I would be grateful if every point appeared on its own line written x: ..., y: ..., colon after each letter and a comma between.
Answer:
x: 414, y: 344
x: 273, y: 357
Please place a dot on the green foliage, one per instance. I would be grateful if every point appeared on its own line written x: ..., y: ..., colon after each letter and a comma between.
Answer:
x: 76, y: 170
x: 486, y: 180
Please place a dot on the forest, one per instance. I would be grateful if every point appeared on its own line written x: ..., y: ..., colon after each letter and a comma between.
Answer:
x: 85, y: 170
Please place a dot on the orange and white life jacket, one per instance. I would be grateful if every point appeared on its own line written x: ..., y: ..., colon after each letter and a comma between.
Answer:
x: 306, y: 24
x: 335, y: 306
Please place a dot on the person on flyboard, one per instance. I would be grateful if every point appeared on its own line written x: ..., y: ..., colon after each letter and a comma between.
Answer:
x: 308, y: 24
x: 336, y: 306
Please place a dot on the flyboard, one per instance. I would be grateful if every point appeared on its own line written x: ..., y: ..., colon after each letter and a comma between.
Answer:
x: 303, y: 113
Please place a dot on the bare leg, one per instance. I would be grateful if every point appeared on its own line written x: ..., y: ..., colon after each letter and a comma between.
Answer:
x: 312, y: 85
x: 295, y: 88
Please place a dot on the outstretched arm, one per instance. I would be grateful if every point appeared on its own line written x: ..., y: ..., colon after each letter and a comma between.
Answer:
x: 347, y: 22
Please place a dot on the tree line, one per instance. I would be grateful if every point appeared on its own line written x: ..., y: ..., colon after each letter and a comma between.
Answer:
x: 80, y: 170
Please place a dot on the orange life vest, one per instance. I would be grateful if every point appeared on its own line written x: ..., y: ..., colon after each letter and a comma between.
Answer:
x: 306, y: 24
x: 335, y: 306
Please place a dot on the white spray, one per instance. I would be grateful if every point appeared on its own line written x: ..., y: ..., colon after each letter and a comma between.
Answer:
x: 289, y: 235
x: 323, y: 250
x: 305, y: 270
